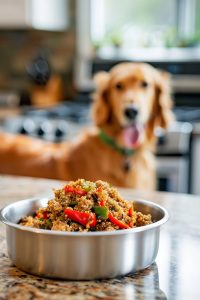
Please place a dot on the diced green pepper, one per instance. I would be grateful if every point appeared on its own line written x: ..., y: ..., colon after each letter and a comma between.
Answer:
x: 101, y: 212
x: 73, y: 203
x: 48, y: 224
x: 87, y: 188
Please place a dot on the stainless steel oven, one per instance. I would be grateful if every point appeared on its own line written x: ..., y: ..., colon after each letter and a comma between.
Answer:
x: 173, y: 158
x: 173, y: 174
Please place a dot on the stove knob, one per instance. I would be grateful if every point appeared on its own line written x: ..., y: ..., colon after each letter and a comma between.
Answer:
x: 59, y: 132
x: 40, y: 131
x: 26, y: 127
x: 23, y: 130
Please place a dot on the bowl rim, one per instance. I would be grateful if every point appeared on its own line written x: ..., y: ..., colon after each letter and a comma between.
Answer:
x: 163, y: 220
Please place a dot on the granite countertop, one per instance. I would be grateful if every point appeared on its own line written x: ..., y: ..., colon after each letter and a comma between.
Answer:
x: 174, y: 275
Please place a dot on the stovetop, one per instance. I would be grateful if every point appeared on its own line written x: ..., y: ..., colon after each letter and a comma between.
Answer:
x: 70, y: 111
x: 54, y: 124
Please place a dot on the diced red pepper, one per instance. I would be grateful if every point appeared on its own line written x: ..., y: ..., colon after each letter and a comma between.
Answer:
x: 69, y: 189
x: 99, y: 189
x: 43, y: 215
x: 116, y: 222
x: 80, y: 192
x: 102, y: 202
x: 77, y: 191
x: 130, y: 212
x: 39, y: 216
x: 85, y: 219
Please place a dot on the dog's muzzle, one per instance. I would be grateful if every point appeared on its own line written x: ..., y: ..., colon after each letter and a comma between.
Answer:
x: 131, y: 113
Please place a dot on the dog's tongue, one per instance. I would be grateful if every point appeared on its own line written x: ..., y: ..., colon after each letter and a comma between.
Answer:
x: 131, y: 136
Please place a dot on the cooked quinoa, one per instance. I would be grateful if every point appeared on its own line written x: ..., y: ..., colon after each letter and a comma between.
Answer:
x: 87, y: 206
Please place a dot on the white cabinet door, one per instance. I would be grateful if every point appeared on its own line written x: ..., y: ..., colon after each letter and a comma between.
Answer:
x: 13, y: 14
x: 38, y: 14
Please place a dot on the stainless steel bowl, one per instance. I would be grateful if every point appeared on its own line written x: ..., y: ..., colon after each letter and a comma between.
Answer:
x: 76, y: 255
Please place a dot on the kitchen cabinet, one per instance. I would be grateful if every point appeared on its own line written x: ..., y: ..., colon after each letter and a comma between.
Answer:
x: 13, y: 14
x: 38, y: 14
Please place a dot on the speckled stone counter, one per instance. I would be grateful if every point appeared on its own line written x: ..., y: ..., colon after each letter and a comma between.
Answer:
x: 174, y: 275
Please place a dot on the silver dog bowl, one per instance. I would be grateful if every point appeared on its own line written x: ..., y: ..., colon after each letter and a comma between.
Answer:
x: 76, y: 255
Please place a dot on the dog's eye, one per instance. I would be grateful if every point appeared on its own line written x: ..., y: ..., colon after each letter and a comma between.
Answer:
x: 119, y: 86
x: 144, y: 84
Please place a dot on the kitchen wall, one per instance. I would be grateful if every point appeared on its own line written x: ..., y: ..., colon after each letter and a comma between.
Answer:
x: 18, y: 47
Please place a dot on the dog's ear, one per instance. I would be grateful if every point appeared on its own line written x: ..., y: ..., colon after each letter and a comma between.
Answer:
x: 164, y: 102
x: 101, y: 108
x: 162, y: 114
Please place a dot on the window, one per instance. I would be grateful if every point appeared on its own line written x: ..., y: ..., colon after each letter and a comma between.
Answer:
x: 197, y: 21
x: 144, y: 23
x: 143, y: 30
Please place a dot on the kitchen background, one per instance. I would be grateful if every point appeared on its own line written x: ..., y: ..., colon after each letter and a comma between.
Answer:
x: 49, y: 51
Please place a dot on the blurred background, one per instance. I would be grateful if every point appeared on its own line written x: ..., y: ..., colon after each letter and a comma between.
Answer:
x: 50, y: 50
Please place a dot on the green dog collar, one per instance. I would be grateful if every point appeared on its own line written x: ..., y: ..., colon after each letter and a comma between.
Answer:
x: 112, y: 143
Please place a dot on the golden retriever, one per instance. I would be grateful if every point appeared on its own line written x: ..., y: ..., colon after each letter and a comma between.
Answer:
x: 129, y: 102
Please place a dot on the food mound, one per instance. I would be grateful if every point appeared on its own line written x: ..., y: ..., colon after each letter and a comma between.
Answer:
x: 87, y: 206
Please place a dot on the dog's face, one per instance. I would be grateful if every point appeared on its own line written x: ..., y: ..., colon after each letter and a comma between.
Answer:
x: 133, y: 95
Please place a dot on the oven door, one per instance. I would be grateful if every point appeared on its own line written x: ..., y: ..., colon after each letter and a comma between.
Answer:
x: 173, y: 174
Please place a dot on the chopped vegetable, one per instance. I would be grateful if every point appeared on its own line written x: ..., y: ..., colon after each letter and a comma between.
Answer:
x: 101, y: 212
x: 130, y: 212
x: 39, y: 215
x: 48, y: 224
x: 86, y: 219
x: 43, y: 215
x: 86, y: 187
x: 99, y: 189
x: 80, y: 192
x: 77, y: 191
x: 116, y: 222
x: 102, y: 203
x: 73, y: 203
x: 69, y: 189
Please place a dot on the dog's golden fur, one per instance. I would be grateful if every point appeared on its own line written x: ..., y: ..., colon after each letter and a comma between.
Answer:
x: 89, y: 157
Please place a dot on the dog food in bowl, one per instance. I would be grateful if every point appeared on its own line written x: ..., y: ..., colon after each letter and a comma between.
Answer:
x: 87, y: 206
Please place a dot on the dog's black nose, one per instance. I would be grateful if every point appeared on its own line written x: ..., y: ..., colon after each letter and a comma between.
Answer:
x: 131, y: 112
